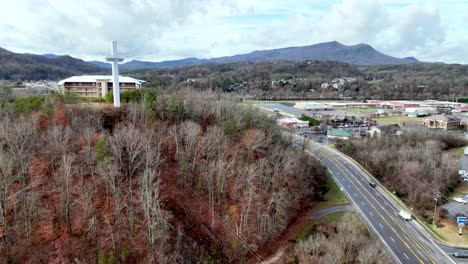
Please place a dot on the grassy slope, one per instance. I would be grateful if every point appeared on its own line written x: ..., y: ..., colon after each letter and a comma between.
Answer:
x: 334, y: 196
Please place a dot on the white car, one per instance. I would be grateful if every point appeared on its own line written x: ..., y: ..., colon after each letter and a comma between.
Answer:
x: 461, y: 172
x: 459, y: 200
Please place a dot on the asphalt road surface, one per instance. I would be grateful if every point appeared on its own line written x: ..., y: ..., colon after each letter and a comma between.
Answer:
x: 406, y: 241
x: 283, y: 109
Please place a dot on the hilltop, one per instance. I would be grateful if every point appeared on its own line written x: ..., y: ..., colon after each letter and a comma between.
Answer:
x: 361, y: 54
x: 17, y: 66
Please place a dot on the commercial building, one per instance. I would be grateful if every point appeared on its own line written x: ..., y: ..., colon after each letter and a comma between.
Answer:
x: 96, y: 85
x: 339, y: 133
x: 442, y: 121
x: 292, y: 122
x: 312, y: 106
x: 402, y: 104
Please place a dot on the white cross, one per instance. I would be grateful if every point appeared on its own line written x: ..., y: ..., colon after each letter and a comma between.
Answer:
x: 115, y: 72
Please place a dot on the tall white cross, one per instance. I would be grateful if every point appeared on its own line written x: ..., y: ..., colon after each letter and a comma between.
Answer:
x: 115, y: 72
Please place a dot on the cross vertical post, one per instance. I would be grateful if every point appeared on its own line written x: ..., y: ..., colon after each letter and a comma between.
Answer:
x: 115, y: 72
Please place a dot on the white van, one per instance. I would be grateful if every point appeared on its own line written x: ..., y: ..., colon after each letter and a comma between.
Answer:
x: 405, y: 215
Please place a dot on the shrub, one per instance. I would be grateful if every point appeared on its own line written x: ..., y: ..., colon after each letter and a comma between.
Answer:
x: 132, y: 96
x: 109, y: 97
x: 312, y: 121
x: 28, y: 104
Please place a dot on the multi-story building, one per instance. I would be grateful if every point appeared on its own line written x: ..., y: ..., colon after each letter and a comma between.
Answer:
x: 96, y: 85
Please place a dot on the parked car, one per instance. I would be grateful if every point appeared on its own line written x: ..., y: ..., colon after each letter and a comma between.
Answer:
x: 459, y: 200
x: 460, y: 254
x: 465, y: 179
x: 462, y: 172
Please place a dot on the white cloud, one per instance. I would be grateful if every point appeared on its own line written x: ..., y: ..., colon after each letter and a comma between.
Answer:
x: 355, y: 21
x: 86, y: 27
x: 161, y: 29
x: 419, y: 26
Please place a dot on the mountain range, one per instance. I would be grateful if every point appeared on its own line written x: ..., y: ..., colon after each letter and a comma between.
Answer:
x: 361, y: 54
x: 15, y: 66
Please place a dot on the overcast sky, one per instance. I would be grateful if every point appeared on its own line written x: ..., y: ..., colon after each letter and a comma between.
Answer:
x: 173, y: 29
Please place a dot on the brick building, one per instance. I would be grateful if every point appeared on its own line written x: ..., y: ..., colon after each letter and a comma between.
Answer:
x: 442, y: 121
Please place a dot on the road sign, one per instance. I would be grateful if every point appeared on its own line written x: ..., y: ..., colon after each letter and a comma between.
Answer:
x: 461, y: 220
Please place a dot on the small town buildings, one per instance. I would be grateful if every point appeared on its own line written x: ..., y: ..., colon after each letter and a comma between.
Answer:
x: 442, y: 121
x: 402, y: 104
x: 421, y: 111
x: 392, y: 130
x: 292, y: 122
x: 461, y: 108
x: 312, y: 106
x: 324, y: 85
x: 96, y: 85
x: 340, y: 133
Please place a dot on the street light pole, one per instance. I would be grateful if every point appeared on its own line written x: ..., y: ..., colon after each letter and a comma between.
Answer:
x: 436, y: 196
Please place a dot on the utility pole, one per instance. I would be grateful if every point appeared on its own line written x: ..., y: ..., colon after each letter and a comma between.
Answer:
x: 436, y: 195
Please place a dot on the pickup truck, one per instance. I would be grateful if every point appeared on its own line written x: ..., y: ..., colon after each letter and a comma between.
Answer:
x: 405, y: 215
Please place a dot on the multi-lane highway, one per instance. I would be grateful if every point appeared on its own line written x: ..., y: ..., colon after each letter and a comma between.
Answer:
x: 406, y: 241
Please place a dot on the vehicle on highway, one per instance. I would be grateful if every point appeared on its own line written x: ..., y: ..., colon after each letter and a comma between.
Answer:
x: 373, y: 184
x: 459, y: 200
x: 275, y: 110
x: 405, y: 215
x: 460, y: 254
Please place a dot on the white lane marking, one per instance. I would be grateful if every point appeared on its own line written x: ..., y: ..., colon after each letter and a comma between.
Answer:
x: 363, y: 203
x: 349, y: 186
x: 380, y: 224
x: 355, y: 194
x: 386, y: 203
x: 405, y: 255
x: 392, y: 239
x: 371, y: 213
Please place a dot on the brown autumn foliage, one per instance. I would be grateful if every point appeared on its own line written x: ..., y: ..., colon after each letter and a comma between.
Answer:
x: 343, y: 242
x: 202, y: 180
x: 413, y: 164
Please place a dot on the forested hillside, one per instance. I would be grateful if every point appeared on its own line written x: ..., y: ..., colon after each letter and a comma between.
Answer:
x: 285, y: 79
x: 187, y: 177
x: 15, y: 66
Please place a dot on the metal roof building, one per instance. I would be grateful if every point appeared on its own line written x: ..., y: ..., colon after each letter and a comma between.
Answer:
x: 96, y: 85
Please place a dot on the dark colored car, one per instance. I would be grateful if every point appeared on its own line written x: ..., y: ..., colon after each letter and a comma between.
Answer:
x: 373, y: 184
x: 460, y: 254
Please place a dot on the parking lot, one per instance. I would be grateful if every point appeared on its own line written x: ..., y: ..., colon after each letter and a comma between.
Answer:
x: 455, y: 208
x: 464, y: 163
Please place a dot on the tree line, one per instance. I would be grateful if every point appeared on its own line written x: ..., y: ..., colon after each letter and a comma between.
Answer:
x: 305, y: 79
x: 413, y: 165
